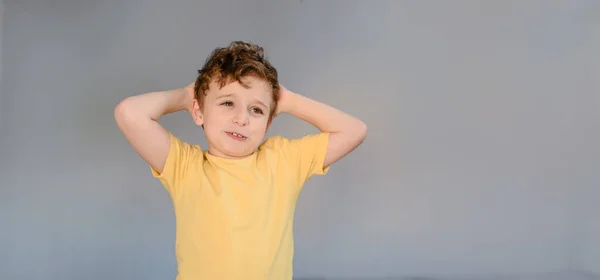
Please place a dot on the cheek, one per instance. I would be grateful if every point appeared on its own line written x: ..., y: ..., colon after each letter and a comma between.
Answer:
x: 260, y: 128
x: 217, y: 117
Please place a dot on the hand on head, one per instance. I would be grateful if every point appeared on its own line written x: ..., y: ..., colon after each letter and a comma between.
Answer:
x: 284, y: 95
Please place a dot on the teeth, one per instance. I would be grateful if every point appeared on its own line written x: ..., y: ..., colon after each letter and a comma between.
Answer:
x: 237, y: 135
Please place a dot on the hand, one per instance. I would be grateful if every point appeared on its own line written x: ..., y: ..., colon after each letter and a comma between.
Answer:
x: 284, y: 99
x: 189, y: 89
x: 190, y: 98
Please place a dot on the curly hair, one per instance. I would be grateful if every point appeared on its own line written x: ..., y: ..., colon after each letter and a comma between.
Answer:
x: 232, y: 63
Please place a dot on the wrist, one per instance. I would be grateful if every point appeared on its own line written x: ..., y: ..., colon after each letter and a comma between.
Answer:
x: 185, y: 96
x: 286, y: 102
x: 175, y: 100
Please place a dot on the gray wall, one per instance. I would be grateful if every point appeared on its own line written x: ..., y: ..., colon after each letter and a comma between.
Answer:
x: 482, y: 156
x: 1, y: 28
x: 588, y: 200
x: 589, y: 239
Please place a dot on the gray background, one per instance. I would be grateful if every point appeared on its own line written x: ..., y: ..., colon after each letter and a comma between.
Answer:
x: 482, y: 157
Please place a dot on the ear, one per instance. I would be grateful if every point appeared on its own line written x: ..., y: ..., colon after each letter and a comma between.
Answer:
x: 196, y: 113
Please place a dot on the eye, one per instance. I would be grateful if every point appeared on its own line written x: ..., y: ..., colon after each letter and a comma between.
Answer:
x: 257, y: 110
x: 227, y: 103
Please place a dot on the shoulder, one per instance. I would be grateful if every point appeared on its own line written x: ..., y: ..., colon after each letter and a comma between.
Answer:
x: 177, y: 143
x: 280, y: 143
x: 181, y: 150
x: 182, y: 155
x: 306, y: 153
x: 274, y: 143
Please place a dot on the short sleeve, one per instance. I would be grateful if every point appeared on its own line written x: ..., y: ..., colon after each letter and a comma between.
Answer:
x: 306, y: 154
x: 181, y: 157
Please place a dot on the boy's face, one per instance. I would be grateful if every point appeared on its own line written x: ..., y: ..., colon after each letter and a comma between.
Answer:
x: 236, y: 118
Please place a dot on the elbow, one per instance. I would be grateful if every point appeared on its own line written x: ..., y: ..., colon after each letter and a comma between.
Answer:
x: 359, y: 132
x: 124, y: 111
x: 120, y: 110
x: 362, y: 131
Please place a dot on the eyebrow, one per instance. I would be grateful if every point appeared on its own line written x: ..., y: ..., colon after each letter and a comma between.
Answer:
x: 261, y: 103
x: 232, y: 94
x: 225, y: 95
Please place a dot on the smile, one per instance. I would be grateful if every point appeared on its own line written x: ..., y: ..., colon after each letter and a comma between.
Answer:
x: 236, y: 136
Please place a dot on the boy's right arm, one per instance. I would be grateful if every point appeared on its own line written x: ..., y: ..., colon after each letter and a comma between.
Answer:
x: 137, y: 117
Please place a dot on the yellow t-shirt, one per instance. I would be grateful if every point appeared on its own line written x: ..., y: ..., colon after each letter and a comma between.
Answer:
x: 234, y: 217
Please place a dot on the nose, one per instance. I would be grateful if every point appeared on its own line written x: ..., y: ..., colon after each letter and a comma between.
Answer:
x: 241, y: 118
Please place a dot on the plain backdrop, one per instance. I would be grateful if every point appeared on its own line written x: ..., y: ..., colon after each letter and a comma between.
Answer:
x: 482, y: 156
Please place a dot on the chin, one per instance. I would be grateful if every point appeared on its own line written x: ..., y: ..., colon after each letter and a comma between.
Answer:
x: 239, y: 151
x: 238, y: 155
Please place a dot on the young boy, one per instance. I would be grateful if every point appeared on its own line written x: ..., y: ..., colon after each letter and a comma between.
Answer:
x: 234, y: 201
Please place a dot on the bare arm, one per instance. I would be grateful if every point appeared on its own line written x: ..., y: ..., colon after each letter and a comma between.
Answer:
x: 346, y: 131
x: 137, y: 117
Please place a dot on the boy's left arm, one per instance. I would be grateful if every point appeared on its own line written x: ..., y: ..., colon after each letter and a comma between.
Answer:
x: 346, y: 132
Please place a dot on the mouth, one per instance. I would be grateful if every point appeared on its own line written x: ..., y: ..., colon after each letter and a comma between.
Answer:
x: 236, y: 136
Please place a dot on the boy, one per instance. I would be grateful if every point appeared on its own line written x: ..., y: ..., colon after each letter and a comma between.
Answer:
x: 234, y: 201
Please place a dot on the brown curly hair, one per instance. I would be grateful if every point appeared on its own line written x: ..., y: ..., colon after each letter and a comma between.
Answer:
x: 232, y: 63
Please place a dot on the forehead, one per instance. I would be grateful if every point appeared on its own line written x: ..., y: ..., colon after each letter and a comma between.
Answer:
x: 253, y: 89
